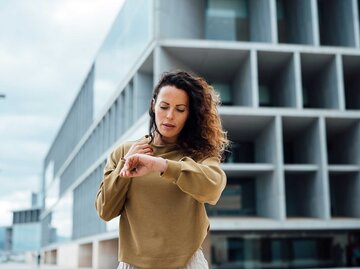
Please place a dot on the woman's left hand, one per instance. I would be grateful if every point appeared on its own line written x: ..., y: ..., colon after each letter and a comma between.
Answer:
x: 141, y: 164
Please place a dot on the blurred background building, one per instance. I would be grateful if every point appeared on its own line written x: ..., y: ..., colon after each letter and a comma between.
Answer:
x: 26, y: 228
x: 5, y: 242
x: 22, y: 240
x: 288, y: 73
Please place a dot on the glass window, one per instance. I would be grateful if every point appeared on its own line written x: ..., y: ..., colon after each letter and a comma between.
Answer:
x: 227, y: 20
x: 264, y: 96
x: 235, y: 249
x: 237, y: 199
x: 285, y: 250
x: 281, y: 21
x: 276, y: 250
x: 241, y: 152
x: 304, y: 249
x: 225, y: 93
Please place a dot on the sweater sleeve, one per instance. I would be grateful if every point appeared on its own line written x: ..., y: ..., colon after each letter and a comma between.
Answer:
x: 204, y: 181
x: 111, y: 195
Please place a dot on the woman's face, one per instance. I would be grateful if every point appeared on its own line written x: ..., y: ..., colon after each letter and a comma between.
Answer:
x: 171, y: 112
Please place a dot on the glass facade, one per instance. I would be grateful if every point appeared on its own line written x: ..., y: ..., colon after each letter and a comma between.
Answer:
x: 26, y: 216
x: 241, y: 152
x: 86, y: 221
x: 295, y: 22
x: 131, y: 33
x: 52, y: 193
x: 224, y: 91
x: 284, y: 250
x: 238, y: 199
x: 227, y: 20
x: 57, y: 225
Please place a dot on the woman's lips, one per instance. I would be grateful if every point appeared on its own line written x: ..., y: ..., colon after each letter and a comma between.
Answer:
x: 168, y: 126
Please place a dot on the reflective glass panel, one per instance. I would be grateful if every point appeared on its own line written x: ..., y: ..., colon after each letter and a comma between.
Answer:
x: 131, y: 33
x: 227, y: 20
x: 61, y: 222
x: 282, y: 250
x: 237, y: 199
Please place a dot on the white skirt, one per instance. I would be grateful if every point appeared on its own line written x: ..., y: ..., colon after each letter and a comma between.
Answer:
x: 197, y: 261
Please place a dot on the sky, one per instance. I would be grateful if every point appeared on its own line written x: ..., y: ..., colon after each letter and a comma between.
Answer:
x: 46, y: 50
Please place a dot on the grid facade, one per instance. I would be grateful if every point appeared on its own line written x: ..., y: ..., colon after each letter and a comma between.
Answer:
x: 288, y: 74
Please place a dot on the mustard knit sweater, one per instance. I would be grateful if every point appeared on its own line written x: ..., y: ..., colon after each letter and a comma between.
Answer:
x: 163, y: 219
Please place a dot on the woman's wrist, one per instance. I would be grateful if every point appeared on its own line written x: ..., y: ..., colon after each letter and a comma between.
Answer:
x: 163, y: 165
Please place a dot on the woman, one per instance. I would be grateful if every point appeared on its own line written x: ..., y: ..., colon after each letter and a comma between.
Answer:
x: 159, y: 184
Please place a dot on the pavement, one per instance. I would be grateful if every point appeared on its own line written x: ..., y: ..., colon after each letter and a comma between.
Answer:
x: 19, y: 265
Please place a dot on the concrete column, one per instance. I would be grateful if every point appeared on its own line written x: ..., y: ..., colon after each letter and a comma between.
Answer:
x: 340, y: 82
x: 85, y: 255
x: 254, y: 78
x: 107, y: 254
x: 298, y: 82
x: 315, y: 22
x: 242, y: 84
x: 68, y: 255
x: 95, y: 255
x: 279, y: 169
x: 323, y: 175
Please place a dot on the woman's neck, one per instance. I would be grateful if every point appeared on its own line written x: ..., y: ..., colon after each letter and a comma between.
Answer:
x: 162, y: 141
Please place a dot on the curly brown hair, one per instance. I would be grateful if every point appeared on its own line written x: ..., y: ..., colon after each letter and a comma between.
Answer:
x: 203, y: 135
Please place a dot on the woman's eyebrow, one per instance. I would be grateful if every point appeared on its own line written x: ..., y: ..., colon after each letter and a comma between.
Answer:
x: 166, y: 103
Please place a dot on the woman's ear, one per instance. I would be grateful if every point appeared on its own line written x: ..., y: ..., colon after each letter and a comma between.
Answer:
x: 153, y: 105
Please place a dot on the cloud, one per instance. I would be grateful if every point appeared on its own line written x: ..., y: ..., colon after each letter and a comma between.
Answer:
x: 46, y: 51
x: 84, y: 9
x: 50, y: 45
x: 29, y: 127
x: 19, y: 181
x: 24, y: 141
x: 13, y: 201
x: 23, y: 150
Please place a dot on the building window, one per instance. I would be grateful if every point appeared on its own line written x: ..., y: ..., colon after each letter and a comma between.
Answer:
x: 285, y: 250
x: 237, y: 199
x: 224, y: 91
x: 227, y: 20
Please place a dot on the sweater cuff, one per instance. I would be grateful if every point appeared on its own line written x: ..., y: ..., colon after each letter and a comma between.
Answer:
x: 119, y: 166
x: 172, y: 172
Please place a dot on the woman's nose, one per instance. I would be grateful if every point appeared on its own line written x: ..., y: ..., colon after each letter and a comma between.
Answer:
x: 170, y: 114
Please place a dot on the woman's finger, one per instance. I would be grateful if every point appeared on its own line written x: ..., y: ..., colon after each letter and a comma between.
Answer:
x: 140, y: 147
x: 148, y: 151
x: 146, y: 147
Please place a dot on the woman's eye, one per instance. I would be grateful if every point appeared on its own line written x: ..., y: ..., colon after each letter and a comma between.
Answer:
x: 181, y: 110
x: 164, y: 107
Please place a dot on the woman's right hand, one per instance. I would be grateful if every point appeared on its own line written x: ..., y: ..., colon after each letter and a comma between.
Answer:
x: 141, y: 147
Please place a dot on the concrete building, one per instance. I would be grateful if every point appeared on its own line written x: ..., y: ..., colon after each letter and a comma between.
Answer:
x: 288, y: 73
